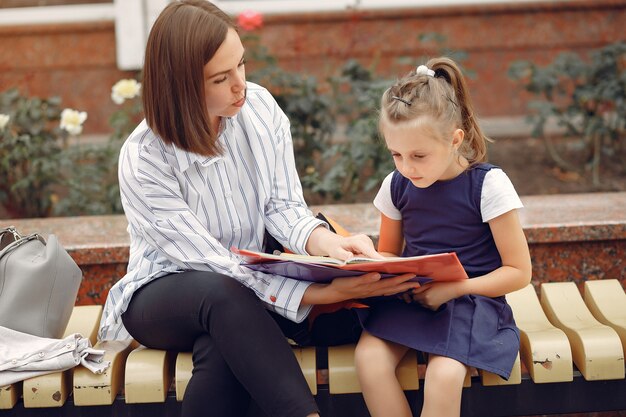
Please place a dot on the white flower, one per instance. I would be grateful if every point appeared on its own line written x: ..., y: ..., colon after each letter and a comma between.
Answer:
x: 72, y: 121
x: 125, y: 89
x: 4, y: 121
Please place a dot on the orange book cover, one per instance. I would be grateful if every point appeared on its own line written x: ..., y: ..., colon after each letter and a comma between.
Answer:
x: 440, y: 267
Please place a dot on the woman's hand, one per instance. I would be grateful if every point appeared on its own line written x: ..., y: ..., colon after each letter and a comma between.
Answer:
x: 364, y: 286
x: 433, y: 294
x: 346, y: 247
x: 324, y: 242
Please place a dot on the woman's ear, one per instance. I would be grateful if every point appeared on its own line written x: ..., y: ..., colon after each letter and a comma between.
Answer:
x: 457, y: 138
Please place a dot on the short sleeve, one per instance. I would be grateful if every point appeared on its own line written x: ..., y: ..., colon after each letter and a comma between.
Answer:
x: 383, y: 201
x: 498, y: 195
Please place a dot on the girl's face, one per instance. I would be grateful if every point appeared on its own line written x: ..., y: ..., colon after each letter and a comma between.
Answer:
x: 225, y: 80
x: 423, y: 158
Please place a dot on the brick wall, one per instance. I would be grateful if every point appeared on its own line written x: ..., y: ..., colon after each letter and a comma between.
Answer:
x: 77, y: 61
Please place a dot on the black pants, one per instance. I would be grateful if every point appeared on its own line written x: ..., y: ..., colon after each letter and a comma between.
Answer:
x: 239, y: 353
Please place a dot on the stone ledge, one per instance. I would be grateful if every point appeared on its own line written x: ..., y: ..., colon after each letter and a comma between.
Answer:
x: 545, y: 219
x: 572, y: 237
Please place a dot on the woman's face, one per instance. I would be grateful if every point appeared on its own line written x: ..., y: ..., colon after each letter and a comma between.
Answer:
x: 225, y: 80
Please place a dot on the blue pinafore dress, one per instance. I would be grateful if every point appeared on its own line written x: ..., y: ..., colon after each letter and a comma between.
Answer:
x: 475, y: 330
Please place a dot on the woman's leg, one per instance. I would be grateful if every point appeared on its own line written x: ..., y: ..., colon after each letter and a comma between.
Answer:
x: 443, y: 385
x: 237, y: 347
x: 376, y: 362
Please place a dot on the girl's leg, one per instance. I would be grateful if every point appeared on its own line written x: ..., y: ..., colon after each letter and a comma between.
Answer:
x: 376, y: 362
x: 238, y: 351
x: 443, y: 385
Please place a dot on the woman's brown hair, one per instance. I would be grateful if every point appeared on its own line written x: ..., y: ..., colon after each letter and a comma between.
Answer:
x: 443, y: 98
x: 184, y: 38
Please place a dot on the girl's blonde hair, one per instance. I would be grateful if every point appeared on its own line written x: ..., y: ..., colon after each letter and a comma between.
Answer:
x: 442, y: 98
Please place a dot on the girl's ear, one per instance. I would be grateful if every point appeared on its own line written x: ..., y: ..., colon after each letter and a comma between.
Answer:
x: 457, y: 138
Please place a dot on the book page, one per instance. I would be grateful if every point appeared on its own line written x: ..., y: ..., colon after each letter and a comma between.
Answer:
x: 311, y: 259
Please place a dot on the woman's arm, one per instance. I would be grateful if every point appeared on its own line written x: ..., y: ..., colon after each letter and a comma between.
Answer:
x: 390, y: 243
x: 324, y: 242
x: 168, y: 229
x: 514, y: 274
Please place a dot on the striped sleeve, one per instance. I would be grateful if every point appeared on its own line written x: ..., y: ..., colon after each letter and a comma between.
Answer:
x: 156, y: 208
x: 287, y: 215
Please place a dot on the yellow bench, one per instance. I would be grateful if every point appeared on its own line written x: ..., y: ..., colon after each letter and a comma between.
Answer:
x: 557, y: 350
x: 596, y: 348
x: 52, y: 390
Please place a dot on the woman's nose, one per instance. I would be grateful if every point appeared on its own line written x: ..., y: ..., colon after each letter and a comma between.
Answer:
x: 239, y: 82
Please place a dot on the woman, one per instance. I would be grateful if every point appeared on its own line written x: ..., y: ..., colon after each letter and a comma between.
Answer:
x: 211, y: 167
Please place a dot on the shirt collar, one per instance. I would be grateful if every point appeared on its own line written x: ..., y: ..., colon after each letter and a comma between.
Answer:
x: 186, y: 159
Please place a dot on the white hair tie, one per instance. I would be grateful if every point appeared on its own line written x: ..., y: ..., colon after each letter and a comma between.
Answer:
x: 424, y: 70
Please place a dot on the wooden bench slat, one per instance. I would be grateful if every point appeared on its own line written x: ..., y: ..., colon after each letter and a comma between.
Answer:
x: 52, y: 390
x: 148, y: 375
x: 606, y: 300
x: 305, y: 356
x: 308, y: 363
x: 596, y: 348
x: 9, y: 395
x: 544, y: 349
x: 342, y: 377
x: 489, y: 379
x: 101, y: 389
x: 184, y: 366
x: 86, y: 321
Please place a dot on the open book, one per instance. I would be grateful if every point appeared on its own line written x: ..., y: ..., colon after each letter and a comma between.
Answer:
x: 442, y: 266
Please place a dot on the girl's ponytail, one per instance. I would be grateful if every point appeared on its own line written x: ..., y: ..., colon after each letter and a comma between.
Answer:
x: 474, y: 146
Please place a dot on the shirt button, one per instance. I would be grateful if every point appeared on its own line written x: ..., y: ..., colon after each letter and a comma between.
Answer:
x: 236, y: 229
x: 68, y: 346
x: 273, y: 298
x: 228, y: 194
x: 13, y: 361
x: 41, y: 354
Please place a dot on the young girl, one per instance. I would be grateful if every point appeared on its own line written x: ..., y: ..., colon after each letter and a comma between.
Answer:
x: 442, y: 197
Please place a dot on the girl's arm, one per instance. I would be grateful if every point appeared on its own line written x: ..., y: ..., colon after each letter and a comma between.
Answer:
x: 391, y: 239
x: 516, y: 269
x: 514, y: 274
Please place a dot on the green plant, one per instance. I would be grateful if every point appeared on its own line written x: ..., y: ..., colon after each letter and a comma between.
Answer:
x: 334, y: 124
x: 311, y: 112
x: 31, y: 153
x: 357, y: 165
x: 92, y: 184
x: 44, y: 173
x: 359, y: 162
x: 587, y: 98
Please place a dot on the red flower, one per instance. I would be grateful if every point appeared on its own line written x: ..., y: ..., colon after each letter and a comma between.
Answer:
x: 250, y: 20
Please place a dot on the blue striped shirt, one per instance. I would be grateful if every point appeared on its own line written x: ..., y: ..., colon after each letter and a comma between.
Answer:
x: 185, y: 210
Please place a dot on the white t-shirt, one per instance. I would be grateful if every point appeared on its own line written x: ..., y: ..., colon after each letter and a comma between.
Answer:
x: 498, y: 197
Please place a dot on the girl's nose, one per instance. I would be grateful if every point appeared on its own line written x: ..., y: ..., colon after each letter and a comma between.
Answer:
x: 408, y: 167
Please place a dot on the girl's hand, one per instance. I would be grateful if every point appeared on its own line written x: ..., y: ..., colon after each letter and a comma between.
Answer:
x: 364, y: 286
x: 433, y: 294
